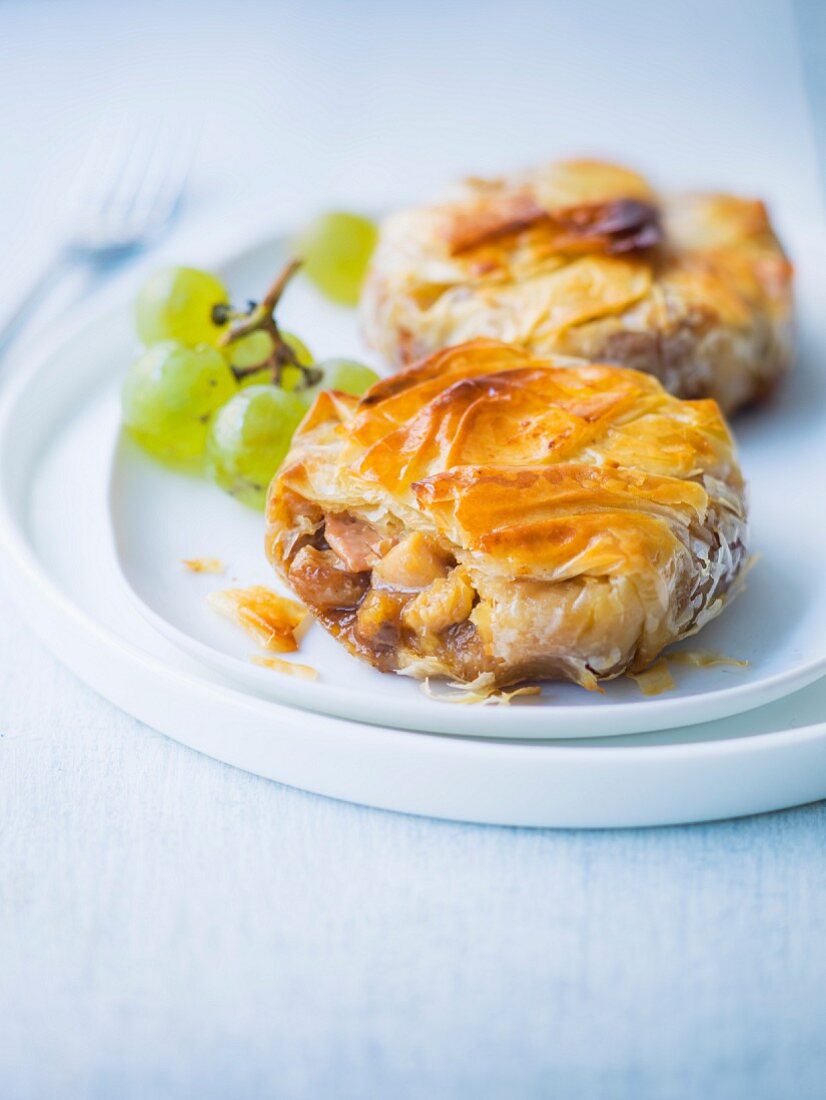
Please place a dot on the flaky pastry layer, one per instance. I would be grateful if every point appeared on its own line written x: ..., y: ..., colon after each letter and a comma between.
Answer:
x: 491, y: 512
x: 584, y: 259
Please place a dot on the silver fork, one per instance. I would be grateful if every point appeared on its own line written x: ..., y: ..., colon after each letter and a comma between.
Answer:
x: 125, y: 193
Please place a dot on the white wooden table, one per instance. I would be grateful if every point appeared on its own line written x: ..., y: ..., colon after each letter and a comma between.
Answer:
x: 172, y: 928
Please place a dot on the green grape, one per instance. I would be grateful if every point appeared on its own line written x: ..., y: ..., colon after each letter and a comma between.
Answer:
x: 344, y: 375
x: 336, y: 249
x: 256, y: 347
x: 249, y: 438
x: 169, y: 394
x: 176, y: 303
x: 249, y: 350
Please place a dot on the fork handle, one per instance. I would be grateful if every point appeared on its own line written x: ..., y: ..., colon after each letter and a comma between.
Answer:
x: 29, y: 301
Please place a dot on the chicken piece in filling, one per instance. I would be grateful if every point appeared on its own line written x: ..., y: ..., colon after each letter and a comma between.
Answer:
x: 392, y: 599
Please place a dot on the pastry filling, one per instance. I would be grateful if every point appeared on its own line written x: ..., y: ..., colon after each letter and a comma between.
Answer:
x: 392, y: 598
x: 405, y: 603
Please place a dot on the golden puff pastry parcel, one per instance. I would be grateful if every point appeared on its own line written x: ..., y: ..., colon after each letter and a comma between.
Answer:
x: 585, y: 259
x: 489, y: 512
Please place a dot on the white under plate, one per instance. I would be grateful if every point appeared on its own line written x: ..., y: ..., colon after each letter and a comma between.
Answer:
x: 160, y: 517
x: 58, y: 427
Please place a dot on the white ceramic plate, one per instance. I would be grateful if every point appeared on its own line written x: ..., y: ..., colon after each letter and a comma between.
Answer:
x: 160, y: 517
x: 57, y: 431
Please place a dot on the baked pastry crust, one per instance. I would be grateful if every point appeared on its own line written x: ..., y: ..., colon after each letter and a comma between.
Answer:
x: 584, y: 259
x: 490, y: 512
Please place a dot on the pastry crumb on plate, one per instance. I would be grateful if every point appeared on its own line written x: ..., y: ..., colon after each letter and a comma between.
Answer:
x: 203, y: 565
x: 482, y: 692
x: 657, y: 679
x: 271, y: 619
x: 291, y: 668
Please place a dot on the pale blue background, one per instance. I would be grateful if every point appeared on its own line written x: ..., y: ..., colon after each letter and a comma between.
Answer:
x: 171, y: 928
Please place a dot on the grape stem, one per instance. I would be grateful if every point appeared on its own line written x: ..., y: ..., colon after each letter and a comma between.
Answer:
x: 261, y: 318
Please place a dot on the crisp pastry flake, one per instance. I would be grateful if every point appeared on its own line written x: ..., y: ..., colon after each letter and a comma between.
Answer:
x: 657, y: 679
x: 288, y: 668
x: 482, y: 692
x: 271, y: 619
x: 203, y: 565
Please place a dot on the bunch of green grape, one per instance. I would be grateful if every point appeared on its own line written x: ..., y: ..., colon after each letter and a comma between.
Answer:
x: 196, y: 397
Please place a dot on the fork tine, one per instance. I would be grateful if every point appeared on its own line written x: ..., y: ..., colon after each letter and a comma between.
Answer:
x: 101, y: 163
x: 165, y: 177
x: 129, y: 184
x: 132, y: 172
